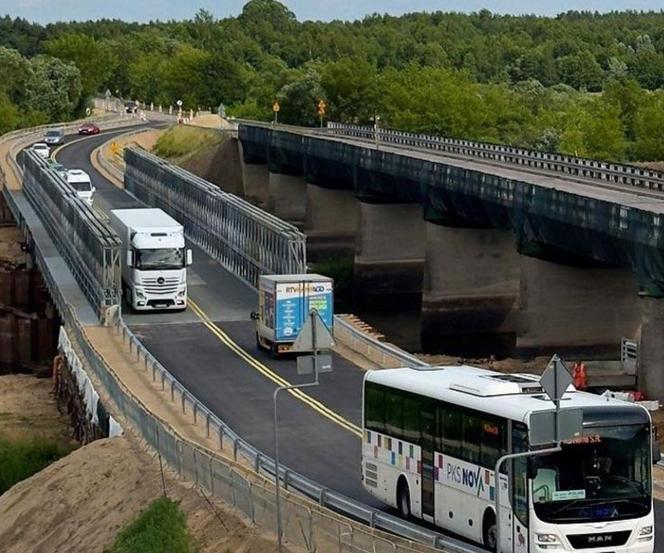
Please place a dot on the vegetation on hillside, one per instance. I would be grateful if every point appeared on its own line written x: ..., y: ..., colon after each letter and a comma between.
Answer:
x: 183, y: 141
x: 21, y: 458
x: 581, y: 82
x: 162, y: 527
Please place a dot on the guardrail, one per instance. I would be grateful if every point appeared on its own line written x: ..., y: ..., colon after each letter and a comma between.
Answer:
x: 243, y: 238
x: 386, y: 355
x: 264, y: 465
x: 613, y: 173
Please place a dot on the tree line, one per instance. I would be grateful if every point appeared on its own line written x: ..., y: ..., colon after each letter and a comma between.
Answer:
x: 582, y: 83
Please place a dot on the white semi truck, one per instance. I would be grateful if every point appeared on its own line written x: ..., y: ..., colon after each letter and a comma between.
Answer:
x: 154, y: 268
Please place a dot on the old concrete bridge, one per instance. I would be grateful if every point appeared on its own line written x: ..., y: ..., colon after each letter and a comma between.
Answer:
x: 511, y: 251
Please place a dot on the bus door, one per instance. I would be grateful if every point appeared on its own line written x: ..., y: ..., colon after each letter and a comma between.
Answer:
x: 428, y: 423
x: 519, y: 489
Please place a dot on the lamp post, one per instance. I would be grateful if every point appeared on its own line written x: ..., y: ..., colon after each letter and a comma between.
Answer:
x: 376, y: 129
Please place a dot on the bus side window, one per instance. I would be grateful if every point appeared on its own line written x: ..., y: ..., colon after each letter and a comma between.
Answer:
x: 494, y: 442
x: 411, y: 419
x: 375, y: 407
x: 471, y: 438
x: 452, y: 431
x: 393, y: 413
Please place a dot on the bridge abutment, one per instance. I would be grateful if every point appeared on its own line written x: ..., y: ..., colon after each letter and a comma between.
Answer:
x: 469, y: 298
x: 331, y: 222
x: 255, y: 180
x: 389, y: 256
x: 287, y: 197
x: 650, y: 368
x: 575, y: 311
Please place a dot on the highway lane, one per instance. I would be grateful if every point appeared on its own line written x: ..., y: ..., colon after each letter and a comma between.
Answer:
x: 238, y: 390
x: 235, y: 390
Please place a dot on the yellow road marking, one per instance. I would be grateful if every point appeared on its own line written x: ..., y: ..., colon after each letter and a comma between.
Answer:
x: 271, y: 375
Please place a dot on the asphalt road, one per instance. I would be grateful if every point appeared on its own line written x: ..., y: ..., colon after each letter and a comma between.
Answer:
x: 233, y: 388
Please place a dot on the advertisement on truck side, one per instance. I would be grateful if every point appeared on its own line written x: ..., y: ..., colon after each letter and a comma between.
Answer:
x: 295, y: 299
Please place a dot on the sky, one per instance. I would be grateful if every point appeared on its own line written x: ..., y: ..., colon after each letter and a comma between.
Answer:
x: 45, y: 11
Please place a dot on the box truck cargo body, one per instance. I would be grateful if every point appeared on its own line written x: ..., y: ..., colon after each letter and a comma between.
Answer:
x: 284, y: 302
x: 154, y: 268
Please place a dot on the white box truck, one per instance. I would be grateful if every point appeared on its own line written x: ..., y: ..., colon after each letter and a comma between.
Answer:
x: 154, y: 267
x: 284, y: 301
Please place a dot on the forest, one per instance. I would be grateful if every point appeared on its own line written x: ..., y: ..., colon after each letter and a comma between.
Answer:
x: 584, y: 83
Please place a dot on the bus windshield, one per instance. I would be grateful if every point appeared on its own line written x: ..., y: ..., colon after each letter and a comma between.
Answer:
x: 162, y: 258
x: 603, y: 475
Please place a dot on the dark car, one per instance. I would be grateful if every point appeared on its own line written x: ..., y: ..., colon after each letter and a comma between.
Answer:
x: 89, y: 128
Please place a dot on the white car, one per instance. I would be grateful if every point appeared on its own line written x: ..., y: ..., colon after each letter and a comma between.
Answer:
x: 80, y: 181
x: 41, y: 150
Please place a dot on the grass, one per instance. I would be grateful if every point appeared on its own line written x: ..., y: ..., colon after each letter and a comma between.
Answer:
x: 161, y: 528
x: 20, y: 459
x: 183, y: 141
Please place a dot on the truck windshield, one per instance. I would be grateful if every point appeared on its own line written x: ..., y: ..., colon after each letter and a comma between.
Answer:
x: 162, y: 258
x: 82, y: 186
x: 603, y: 475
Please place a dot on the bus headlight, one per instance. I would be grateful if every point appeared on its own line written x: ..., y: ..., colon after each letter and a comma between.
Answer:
x: 547, y: 541
x: 645, y: 530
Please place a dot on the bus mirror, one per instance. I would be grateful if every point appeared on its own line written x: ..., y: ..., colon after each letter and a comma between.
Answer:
x: 190, y: 257
x: 130, y: 259
x: 656, y: 452
x: 532, y: 469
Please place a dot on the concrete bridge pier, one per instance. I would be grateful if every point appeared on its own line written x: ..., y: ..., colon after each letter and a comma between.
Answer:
x: 255, y: 180
x: 330, y: 222
x: 650, y: 368
x: 577, y: 312
x: 469, y: 298
x: 389, y: 256
x: 287, y: 197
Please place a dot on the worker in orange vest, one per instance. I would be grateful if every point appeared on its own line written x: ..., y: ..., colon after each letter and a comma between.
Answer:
x: 579, y: 376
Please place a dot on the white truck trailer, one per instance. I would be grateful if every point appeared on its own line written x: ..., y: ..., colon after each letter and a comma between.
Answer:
x: 154, y: 268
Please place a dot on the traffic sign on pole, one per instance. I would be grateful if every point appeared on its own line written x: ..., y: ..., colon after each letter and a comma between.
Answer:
x: 556, y: 379
x: 313, y: 336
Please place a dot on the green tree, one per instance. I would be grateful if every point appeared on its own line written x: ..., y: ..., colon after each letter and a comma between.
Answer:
x: 581, y: 71
x: 350, y: 86
x: 53, y: 88
x: 94, y: 63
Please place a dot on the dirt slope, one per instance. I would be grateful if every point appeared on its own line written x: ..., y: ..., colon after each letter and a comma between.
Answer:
x: 81, y: 501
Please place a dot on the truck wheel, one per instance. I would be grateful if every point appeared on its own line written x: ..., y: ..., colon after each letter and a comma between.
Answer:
x: 259, y: 345
x: 127, y: 297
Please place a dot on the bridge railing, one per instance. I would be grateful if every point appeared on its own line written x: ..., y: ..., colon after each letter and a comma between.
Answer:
x: 523, y: 158
x: 202, y: 467
x: 88, y: 245
x: 243, y: 238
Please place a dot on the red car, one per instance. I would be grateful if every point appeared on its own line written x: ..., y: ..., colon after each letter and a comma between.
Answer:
x: 89, y: 128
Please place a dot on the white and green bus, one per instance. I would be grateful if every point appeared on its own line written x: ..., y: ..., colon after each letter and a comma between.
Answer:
x: 432, y: 438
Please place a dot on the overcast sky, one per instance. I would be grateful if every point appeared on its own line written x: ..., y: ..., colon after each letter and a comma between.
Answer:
x: 45, y: 11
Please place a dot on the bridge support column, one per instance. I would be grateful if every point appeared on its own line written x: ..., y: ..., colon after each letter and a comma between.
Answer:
x: 287, y: 197
x: 330, y: 222
x: 650, y: 368
x: 471, y: 282
x: 574, y: 311
x: 255, y: 178
x: 389, y: 256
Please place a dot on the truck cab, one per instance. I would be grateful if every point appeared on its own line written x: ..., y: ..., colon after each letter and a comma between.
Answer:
x: 154, y: 272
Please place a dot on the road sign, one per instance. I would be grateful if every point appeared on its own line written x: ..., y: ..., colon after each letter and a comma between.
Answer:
x: 321, y: 107
x: 306, y: 364
x: 179, y: 102
x: 276, y: 107
x: 542, y: 426
x: 556, y: 379
x: 313, y: 336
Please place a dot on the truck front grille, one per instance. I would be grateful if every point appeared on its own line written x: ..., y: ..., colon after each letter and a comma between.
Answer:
x: 169, y: 286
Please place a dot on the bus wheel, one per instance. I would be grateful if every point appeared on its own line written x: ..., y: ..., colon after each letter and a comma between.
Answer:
x: 489, y: 531
x: 403, y: 499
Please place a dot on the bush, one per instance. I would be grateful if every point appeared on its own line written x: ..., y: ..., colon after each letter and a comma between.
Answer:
x: 20, y: 459
x: 161, y: 528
